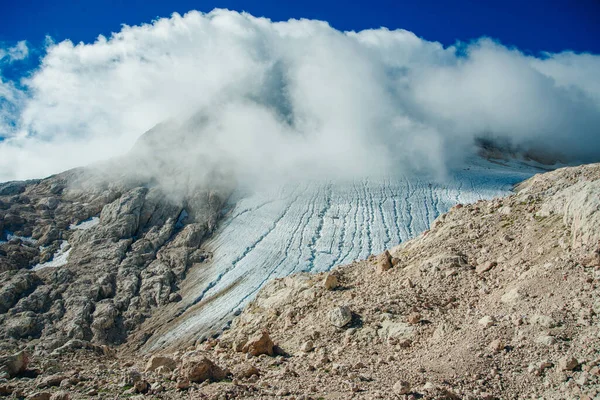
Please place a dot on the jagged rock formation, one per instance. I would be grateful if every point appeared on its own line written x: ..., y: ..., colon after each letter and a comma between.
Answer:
x: 122, y: 235
x: 497, y: 300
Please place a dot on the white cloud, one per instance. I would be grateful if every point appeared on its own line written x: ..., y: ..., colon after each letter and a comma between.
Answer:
x: 295, y: 96
x: 18, y: 52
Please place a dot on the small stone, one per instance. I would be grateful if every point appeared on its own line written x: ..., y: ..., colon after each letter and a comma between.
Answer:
x: 330, y: 282
x: 174, y: 298
x: 496, y: 346
x: 546, y: 340
x: 160, y: 361
x: 583, y: 379
x: 568, y: 363
x: 511, y: 297
x: 60, y: 396
x: 245, y: 370
x: 401, y: 387
x: 157, y: 387
x: 52, y: 380
x: 414, y: 318
x: 40, y: 396
x: 485, y: 267
x: 505, y: 210
x: 141, y: 386
x: 182, y: 384
x: 6, y: 390
x: 487, y: 321
x: 538, y: 368
x: 307, y: 346
x: 543, y: 320
x: 340, y: 316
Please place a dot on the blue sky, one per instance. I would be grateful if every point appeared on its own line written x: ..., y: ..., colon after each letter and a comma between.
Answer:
x: 531, y: 25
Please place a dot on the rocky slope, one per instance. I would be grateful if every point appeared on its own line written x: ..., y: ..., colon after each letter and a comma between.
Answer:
x: 498, y: 300
x: 308, y: 226
x: 123, y: 236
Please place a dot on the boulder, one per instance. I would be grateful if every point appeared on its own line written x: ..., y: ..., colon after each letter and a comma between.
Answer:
x: 14, y: 364
x: 52, y: 380
x: 200, y: 369
x: 568, y: 363
x: 307, y: 346
x: 160, y: 361
x: 546, y: 340
x: 395, y: 330
x: 401, y: 387
x: 245, y: 370
x: 340, y: 316
x: 259, y: 344
x: 485, y: 267
x: 496, y: 345
x: 60, y: 396
x: 141, y: 386
x: 330, y: 282
x: 414, y: 318
x: 40, y: 396
x: 543, y: 320
x: 383, y: 262
x: 487, y: 321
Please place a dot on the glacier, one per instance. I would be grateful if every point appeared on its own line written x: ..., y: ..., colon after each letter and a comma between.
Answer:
x: 295, y: 227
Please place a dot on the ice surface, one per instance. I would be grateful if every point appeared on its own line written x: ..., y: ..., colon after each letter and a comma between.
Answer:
x: 314, y: 227
x: 58, y: 259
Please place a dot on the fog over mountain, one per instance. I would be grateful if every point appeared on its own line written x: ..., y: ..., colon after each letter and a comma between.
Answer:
x: 295, y: 97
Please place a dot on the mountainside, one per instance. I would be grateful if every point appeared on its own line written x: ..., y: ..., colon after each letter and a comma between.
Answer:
x: 90, y: 253
x: 497, y: 300
x: 310, y: 226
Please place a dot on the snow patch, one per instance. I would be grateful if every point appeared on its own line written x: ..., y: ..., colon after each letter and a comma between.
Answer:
x: 10, y: 236
x: 59, y: 258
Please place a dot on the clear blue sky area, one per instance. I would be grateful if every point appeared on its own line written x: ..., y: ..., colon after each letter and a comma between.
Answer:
x: 531, y: 25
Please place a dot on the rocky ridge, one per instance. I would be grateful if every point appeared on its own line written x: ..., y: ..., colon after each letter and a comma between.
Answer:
x: 123, y: 235
x: 499, y: 299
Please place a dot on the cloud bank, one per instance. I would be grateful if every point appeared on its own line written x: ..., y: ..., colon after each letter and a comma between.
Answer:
x: 293, y: 96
